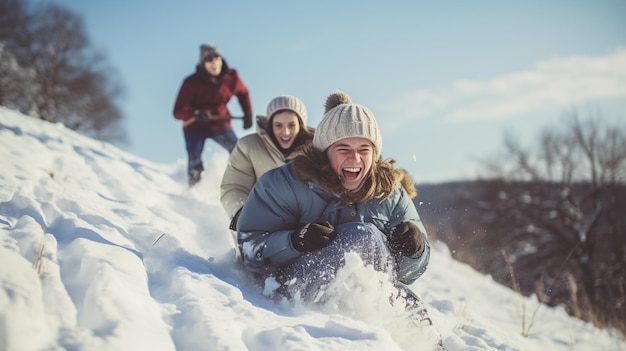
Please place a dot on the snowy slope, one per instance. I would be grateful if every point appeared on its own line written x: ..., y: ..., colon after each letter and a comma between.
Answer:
x: 130, y: 259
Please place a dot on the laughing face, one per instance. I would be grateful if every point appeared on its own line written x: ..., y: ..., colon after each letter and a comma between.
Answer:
x: 285, y: 126
x: 351, y: 159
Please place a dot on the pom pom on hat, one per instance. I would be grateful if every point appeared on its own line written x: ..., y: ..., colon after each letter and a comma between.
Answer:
x: 342, y: 120
x: 335, y: 99
x: 287, y: 102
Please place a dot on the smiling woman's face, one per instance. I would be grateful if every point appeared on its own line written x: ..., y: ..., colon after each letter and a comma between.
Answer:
x: 351, y: 159
x: 285, y: 126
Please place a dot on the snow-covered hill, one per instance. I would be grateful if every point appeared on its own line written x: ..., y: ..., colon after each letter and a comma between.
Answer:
x: 102, y: 250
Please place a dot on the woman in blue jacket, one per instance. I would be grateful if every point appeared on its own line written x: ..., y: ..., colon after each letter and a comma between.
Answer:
x: 338, y: 196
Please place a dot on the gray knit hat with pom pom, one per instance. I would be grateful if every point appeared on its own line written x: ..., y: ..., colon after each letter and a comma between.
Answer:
x: 342, y: 120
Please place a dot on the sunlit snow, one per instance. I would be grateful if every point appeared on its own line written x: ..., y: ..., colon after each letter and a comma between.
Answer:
x: 103, y: 250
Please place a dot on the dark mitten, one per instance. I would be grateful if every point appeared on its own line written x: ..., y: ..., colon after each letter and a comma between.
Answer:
x: 247, y: 121
x: 313, y: 236
x: 407, y: 240
x: 202, y: 116
x: 233, y: 222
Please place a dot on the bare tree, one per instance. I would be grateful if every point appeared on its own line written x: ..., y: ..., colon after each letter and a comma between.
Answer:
x: 59, y: 76
x: 561, y: 208
x: 14, y: 78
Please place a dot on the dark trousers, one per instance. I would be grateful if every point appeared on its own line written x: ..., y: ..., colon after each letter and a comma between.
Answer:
x: 310, y: 272
x: 195, y: 139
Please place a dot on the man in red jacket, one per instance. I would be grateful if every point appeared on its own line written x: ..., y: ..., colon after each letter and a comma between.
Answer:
x: 201, y: 105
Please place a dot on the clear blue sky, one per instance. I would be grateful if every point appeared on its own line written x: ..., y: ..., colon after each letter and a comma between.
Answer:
x: 443, y: 78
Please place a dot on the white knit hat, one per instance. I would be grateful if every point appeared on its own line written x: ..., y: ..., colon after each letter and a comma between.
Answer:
x: 345, y: 120
x: 287, y: 102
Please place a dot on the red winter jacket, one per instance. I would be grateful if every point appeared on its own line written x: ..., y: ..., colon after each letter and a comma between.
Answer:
x: 202, y: 91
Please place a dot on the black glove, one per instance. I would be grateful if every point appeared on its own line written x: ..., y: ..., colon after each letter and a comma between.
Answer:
x: 407, y: 240
x: 233, y: 222
x: 202, y: 116
x: 247, y: 121
x: 313, y: 236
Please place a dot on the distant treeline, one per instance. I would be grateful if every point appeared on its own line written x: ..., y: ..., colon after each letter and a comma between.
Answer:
x: 564, y: 243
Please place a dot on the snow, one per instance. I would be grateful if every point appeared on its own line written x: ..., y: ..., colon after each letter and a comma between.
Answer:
x: 103, y: 250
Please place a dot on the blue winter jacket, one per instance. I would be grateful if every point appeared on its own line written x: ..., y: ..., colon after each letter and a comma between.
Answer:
x: 280, y: 203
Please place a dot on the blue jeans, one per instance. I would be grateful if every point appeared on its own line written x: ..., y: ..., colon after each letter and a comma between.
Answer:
x: 195, y: 138
x: 308, y: 273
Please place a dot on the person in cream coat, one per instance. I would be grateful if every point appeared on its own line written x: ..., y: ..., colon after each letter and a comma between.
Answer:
x: 280, y: 136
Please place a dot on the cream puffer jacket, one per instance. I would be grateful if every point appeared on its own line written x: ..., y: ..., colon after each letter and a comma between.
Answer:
x: 253, y: 155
